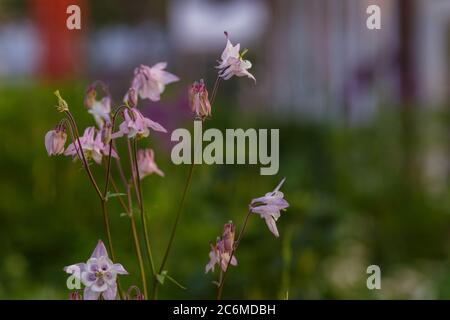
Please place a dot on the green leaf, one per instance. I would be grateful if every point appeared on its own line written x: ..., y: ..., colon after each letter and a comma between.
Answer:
x: 176, y: 282
x: 112, y: 195
x: 161, y: 278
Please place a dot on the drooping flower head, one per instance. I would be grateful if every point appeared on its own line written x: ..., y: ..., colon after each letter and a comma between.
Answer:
x: 136, y: 125
x: 100, y: 109
x: 131, y: 98
x: 98, y: 274
x: 55, y: 140
x: 150, y: 82
x: 198, y: 99
x: 228, y: 236
x: 231, y: 62
x: 221, y: 251
x: 92, y: 145
x: 269, y: 206
x: 147, y: 164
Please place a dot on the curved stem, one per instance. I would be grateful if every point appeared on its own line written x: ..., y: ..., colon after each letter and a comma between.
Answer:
x: 83, y: 157
x: 222, y: 281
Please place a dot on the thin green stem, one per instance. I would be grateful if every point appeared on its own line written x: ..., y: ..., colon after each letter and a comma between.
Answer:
x: 183, y: 198
x: 215, y: 88
x: 137, y: 182
x: 177, y: 219
x: 137, y: 246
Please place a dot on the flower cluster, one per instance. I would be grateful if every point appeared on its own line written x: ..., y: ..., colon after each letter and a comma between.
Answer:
x: 268, y: 207
x: 99, y: 274
x: 92, y: 145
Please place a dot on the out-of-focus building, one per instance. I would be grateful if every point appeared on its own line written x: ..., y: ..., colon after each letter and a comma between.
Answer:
x: 314, y: 58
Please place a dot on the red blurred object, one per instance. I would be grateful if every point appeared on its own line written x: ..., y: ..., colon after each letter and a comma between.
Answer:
x: 61, y: 52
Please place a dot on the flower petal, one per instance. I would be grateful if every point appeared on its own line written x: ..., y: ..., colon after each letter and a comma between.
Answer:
x: 100, y: 250
x: 110, y: 293
x: 118, y: 268
x: 89, y: 294
x: 272, y: 226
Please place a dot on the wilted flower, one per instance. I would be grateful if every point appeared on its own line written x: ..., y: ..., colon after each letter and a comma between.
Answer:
x: 223, y: 248
x: 100, y: 109
x: 55, y: 140
x: 98, y: 274
x: 137, y: 125
x: 228, y: 236
x: 131, y: 97
x: 198, y: 99
x: 232, y: 62
x: 150, y: 82
x: 92, y: 145
x: 106, y: 133
x: 62, y: 104
x: 146, y: 163
x: 269, y: 206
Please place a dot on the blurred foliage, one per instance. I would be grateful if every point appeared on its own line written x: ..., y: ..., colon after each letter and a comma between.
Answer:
x: 350, y: 206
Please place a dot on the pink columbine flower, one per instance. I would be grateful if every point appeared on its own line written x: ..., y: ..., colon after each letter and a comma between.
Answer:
x: 269, y: 206
x: 55, y: 140
x: 221, y: 251
x: 147, y: 164
x: 100, y: 109
x: 92, y: 145
x: 136, y: 125
x: 232, y: 62
x: 150, y: 82
x: 198, y: 99
x: 98, y: 274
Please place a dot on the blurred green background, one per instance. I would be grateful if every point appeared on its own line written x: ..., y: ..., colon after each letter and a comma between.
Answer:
x: 364, y: 151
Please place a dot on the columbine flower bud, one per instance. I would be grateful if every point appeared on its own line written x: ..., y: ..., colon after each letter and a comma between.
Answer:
x: 75, y: 295
x: 62, y: 104
x: 138, y: 295
x: 228, y: 236
x: 198, y: 99
x: 55, y: 140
